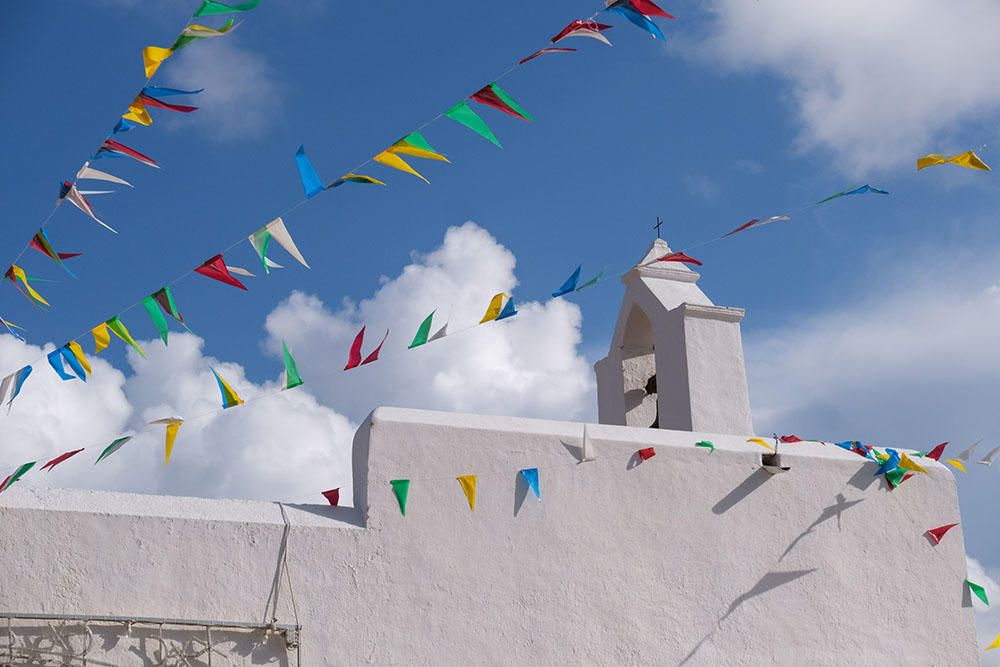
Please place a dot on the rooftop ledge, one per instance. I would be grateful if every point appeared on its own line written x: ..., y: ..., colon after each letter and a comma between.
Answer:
x: 548, y: 442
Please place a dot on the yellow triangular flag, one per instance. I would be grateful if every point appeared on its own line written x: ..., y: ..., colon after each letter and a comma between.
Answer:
x: 416, y: 146
x: 906, y: 463
x: 77, y: 351
x: 101, y: 337
x: 19, y: 273
x: 995, y: 644
x: 137, y: 112
x: 493, y: 310
x: 396, y: 162
x: 152, y: 56
x: 956, y: 464
x: 762, y: 442
x: 968, y: 159
x: 930, y: 160
x: 468, y: 483
x: 172, y: 429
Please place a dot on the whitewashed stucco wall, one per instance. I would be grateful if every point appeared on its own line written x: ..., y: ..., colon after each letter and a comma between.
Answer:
x: 692, y: 555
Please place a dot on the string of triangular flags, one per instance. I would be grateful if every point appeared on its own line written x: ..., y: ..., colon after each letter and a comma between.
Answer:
x: 137, y: 114
x: 216, y: 268
x: 888, y: 461
x: 229, y: 399
x: 162, y: 302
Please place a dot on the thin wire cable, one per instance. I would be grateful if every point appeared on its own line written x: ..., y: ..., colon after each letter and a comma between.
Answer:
x: 55, y: 207
x: 286, y: 212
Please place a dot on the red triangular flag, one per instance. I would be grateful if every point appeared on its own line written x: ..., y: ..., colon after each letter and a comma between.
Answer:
x: 937, y: 452
x: 354, y: 357
x: 790, y: 438
x: 59, y: 459
x: 937, y: 533
x: 216, y: 269
x: 745, y: 225
x: 153, y: 102
x: 647, y: 453
x: 488, y: 96
x: 647, y: 8
x: 333, y: 496
x: 679, y: 257
x: 374, y: 355
x: 580, y: 24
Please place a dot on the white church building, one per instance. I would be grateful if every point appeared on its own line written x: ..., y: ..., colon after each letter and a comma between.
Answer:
x: 694, y: 556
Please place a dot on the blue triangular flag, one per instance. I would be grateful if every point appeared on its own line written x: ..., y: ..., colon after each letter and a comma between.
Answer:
x: 56, y: 361
x: 122, y: 126
x: 508, y: 310
x: 570, y: 284
x: 307, y: 172
x: 73, y: 362
x: 19, y: 379
x: 890, y: 464
x: 157, y: 91
x: 530, y: 476
x: 638, y: 19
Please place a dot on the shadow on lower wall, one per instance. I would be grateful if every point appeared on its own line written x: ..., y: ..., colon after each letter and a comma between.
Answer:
x: 767, y: 583
x: 112, y: 644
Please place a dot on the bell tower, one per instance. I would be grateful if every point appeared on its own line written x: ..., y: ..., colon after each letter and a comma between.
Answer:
x: 676, y: 359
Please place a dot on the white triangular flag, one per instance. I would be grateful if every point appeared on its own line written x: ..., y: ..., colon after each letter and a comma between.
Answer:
x: 967, y: 454
x: 74, y: 197
x: 280, y: 234
x: 441, y: 333
x: 86, y: 171
x: 986, y: 460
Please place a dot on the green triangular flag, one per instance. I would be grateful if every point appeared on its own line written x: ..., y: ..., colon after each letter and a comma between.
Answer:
x: 112, y: 448
x: 509, y: 101
x: 120, y: 330
x: 706, y: 444
x: 979, y: 591
x: 461, y: 113
x: 422, y: 332
x: 155, y: 314
x: 401, y: 487
x: 261, y: 241
x: 593, y: 281
x: 292, y: 377
x: 895, y: 476
x: 17, y: 474
x: 211, y: 7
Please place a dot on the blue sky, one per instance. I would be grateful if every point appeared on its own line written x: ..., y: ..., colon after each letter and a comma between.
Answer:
x: 750, y: 110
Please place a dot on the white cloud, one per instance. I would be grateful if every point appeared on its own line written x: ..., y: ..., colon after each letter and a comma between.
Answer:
x: 987, y: 618
x: 878, y: 83
x: 291, y: 446
x: 702, y: 186
x: 242, y: 94
x: 528, y: 365
x: 282, y: 446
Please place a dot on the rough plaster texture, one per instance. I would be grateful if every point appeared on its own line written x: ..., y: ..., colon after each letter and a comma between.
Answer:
x: 668, y: 327
x: 692, y: 556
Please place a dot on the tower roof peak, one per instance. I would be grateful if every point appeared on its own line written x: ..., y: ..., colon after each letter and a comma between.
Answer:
x: 658, y: 248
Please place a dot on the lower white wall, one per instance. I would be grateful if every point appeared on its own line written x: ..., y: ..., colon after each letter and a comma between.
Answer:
x: 692, y: 555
